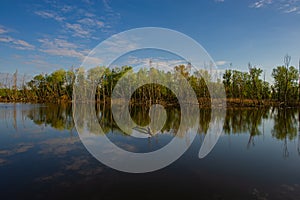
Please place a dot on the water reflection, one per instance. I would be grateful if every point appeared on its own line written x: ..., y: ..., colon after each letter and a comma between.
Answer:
x: 285, y: 127
x: 57, y: 116
x: 41, y: 155
x: 246, y: 121
x: 251, y: 121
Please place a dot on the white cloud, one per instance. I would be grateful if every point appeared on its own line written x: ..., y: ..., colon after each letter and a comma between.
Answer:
x: 112, y: 17
x: 261, y: 3
x: 13, y: 42
x: 41, y: 63
x: 285, y: 6
x: 49, y: 15
x: 221, y: 62
x: 3, y: 30
x: 6, y: 39
x: 67, y: 8
x: 94, y: 61
x: 118, y: 44
x: 23, y: 45
x: 106, y: 5
x: 291, y: 10
x: 219, y: 1
x: 91, y: 22
x: 78, y: 30
x: 60, y: 47
x: 16, y: 43
x: 158, y: 63
x: 83, y: 22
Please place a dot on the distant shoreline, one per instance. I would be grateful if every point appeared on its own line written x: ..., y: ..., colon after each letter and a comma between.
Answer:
x: 203, y: 103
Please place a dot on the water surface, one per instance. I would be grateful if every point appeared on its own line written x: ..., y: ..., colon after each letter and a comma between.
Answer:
x: 42, y: 157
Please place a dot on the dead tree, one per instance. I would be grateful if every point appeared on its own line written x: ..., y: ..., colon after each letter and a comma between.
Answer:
x: 287, y: 60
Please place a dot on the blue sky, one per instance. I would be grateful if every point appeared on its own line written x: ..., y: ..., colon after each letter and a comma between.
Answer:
x: 42, y: 36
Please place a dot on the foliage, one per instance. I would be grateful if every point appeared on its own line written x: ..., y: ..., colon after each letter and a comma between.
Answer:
x: 285, y: 85
x: 58, y: 86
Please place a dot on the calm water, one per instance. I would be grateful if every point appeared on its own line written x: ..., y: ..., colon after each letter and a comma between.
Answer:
x: 42, y: 157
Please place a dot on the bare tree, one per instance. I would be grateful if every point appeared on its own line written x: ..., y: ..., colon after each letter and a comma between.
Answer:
x: 287, y: 60
x: 15, y: 87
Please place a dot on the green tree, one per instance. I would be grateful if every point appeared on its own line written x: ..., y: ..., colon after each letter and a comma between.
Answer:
x: 227, y: 81
x: 285, y: 83
x: 256, y: 84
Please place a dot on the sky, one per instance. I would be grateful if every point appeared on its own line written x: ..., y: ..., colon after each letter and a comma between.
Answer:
x: 43, y: 35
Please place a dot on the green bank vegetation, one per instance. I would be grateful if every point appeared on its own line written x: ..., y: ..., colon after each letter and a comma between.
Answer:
x: 242, y: 88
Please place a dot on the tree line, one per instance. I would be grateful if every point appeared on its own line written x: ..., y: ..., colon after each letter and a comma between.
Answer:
x: 239, y: 85
x: 250, y: 85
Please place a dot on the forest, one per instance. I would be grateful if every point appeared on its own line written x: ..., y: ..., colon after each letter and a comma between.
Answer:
x: 241, y: 87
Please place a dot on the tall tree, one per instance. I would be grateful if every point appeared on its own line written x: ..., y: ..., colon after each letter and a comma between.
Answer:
x: 285, y: 83
x: 255, y: 82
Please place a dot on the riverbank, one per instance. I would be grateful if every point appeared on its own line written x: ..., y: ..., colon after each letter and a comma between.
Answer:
x: 203, y: 102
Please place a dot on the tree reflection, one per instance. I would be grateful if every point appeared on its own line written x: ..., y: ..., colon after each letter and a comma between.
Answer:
x: 58, y: 116
x: 250, y: 121
x: 298, y: 148
x: 245, y: 120
x: 285, y: 126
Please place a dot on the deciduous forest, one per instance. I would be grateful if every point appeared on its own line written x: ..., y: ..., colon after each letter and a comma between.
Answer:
x: 241, y: 87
